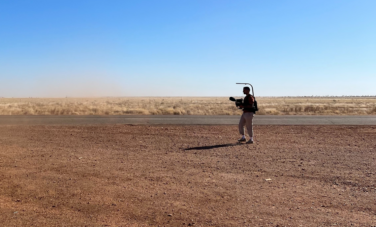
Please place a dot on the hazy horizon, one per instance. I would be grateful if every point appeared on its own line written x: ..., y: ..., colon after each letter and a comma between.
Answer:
x: 100, y: 97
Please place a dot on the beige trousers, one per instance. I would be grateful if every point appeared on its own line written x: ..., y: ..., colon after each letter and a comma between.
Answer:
x: 246, y: 120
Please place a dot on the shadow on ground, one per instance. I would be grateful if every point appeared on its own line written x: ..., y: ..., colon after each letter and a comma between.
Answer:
x: 213, y: 146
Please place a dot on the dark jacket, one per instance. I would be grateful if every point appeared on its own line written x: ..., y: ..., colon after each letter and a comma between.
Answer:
x: 249, y: 104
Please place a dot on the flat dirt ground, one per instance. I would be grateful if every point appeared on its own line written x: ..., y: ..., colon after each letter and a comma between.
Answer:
x: 133, y: 175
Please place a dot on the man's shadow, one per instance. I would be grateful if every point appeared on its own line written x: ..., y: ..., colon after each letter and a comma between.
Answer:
x: 213, y: 146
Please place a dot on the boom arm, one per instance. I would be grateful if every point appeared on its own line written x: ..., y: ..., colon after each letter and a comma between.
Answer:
x: 253, y: 93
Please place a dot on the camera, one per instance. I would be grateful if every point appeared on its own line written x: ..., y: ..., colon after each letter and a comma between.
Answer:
x: 238, y: 102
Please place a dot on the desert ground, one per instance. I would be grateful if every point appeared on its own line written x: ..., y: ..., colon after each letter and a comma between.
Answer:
x: 140, y: 175
x: 186, y: 106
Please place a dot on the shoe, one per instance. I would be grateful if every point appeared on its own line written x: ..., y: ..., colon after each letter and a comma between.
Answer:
x: 242, y: 140
x: 249, y: 142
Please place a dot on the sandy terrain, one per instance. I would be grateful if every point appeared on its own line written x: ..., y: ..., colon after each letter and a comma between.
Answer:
x: 124, y: 175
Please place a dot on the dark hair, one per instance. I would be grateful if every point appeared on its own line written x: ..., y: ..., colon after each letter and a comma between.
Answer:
x: 247, y: 88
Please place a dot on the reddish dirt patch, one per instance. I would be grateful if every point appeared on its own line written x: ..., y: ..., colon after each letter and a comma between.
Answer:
x: 123, y: 175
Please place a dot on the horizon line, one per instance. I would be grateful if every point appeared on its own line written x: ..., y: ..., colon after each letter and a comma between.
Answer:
x: 298, y: 96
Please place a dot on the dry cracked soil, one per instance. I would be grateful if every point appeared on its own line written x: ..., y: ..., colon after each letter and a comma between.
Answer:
x: 140, y: 175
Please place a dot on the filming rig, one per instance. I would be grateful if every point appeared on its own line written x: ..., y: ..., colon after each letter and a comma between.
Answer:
x: 240, y: 102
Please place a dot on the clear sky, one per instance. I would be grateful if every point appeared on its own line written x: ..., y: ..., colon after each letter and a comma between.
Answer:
x: 187, y: 47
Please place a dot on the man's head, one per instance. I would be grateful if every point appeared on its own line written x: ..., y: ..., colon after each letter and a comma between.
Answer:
x: 246, y: 90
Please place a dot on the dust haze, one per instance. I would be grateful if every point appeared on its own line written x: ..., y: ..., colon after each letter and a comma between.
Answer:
x: 59, y: 86
x: 91, y: 85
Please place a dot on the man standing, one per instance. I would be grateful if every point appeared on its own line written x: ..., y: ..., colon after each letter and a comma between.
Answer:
x: 247, y: 116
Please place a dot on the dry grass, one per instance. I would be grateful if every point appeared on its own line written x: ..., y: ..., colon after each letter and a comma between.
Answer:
x: 185, y: 106
x: 318, y: 106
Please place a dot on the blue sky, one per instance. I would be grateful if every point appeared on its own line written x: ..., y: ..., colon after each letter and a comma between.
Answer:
x: 187, y: 47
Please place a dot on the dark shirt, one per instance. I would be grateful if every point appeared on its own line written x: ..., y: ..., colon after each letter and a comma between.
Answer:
x: 248, y: 104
